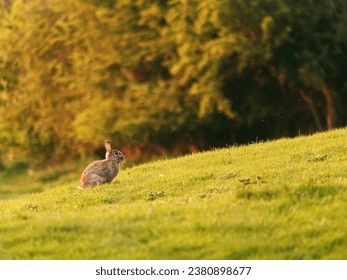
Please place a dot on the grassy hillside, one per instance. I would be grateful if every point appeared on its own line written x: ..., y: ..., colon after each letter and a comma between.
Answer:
x: 285, y: 199
x: 19, y: 179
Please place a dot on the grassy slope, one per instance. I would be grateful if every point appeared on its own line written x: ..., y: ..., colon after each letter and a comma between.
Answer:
x: 15, y: 181
x: 185, y: 209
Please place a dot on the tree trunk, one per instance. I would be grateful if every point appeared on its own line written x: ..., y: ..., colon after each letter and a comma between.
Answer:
x: 308, y: 99
x: 330, y: 110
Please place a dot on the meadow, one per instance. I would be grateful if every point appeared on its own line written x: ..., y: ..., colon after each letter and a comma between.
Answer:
x: 283, y: 199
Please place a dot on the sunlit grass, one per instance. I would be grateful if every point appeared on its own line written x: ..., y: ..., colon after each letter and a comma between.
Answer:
x: 278, y: 200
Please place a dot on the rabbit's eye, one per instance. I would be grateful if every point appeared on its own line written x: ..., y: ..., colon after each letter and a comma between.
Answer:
x: 116, y: 153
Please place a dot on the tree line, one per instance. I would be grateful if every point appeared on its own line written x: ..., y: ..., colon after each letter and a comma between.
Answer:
x: 166, y: 75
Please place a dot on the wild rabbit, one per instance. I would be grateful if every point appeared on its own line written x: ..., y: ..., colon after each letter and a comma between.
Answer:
x: 102, y: 171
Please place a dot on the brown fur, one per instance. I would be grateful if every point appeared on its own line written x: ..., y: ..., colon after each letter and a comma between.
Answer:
x: 102, y: 171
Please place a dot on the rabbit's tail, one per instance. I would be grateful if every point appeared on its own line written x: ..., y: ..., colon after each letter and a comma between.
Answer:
x: 79, y: 187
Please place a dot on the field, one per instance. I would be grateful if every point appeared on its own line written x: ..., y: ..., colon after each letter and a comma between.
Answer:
x: 284, y: 199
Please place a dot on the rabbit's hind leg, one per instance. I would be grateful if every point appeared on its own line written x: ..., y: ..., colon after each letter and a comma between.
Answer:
x: 95, y: 180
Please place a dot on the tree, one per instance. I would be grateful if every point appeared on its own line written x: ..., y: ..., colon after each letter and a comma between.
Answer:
x: 167, y: 73
x: 40, y: 52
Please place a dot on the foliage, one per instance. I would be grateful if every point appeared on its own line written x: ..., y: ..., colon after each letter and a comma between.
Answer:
x: 166, y: 73
x: 292, y: 207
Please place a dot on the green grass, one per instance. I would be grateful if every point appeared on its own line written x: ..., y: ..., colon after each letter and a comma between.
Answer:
x: 19, y: 179
x: 195, y: 207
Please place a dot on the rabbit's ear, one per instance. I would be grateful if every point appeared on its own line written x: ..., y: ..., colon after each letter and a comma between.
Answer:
x: 108, y: 146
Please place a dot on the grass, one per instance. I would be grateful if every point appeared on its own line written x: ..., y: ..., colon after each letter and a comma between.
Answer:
x: 20, y: 179
x: 284, y: 199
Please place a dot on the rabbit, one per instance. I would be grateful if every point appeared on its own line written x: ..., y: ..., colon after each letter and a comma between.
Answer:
x: 102, y: 171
